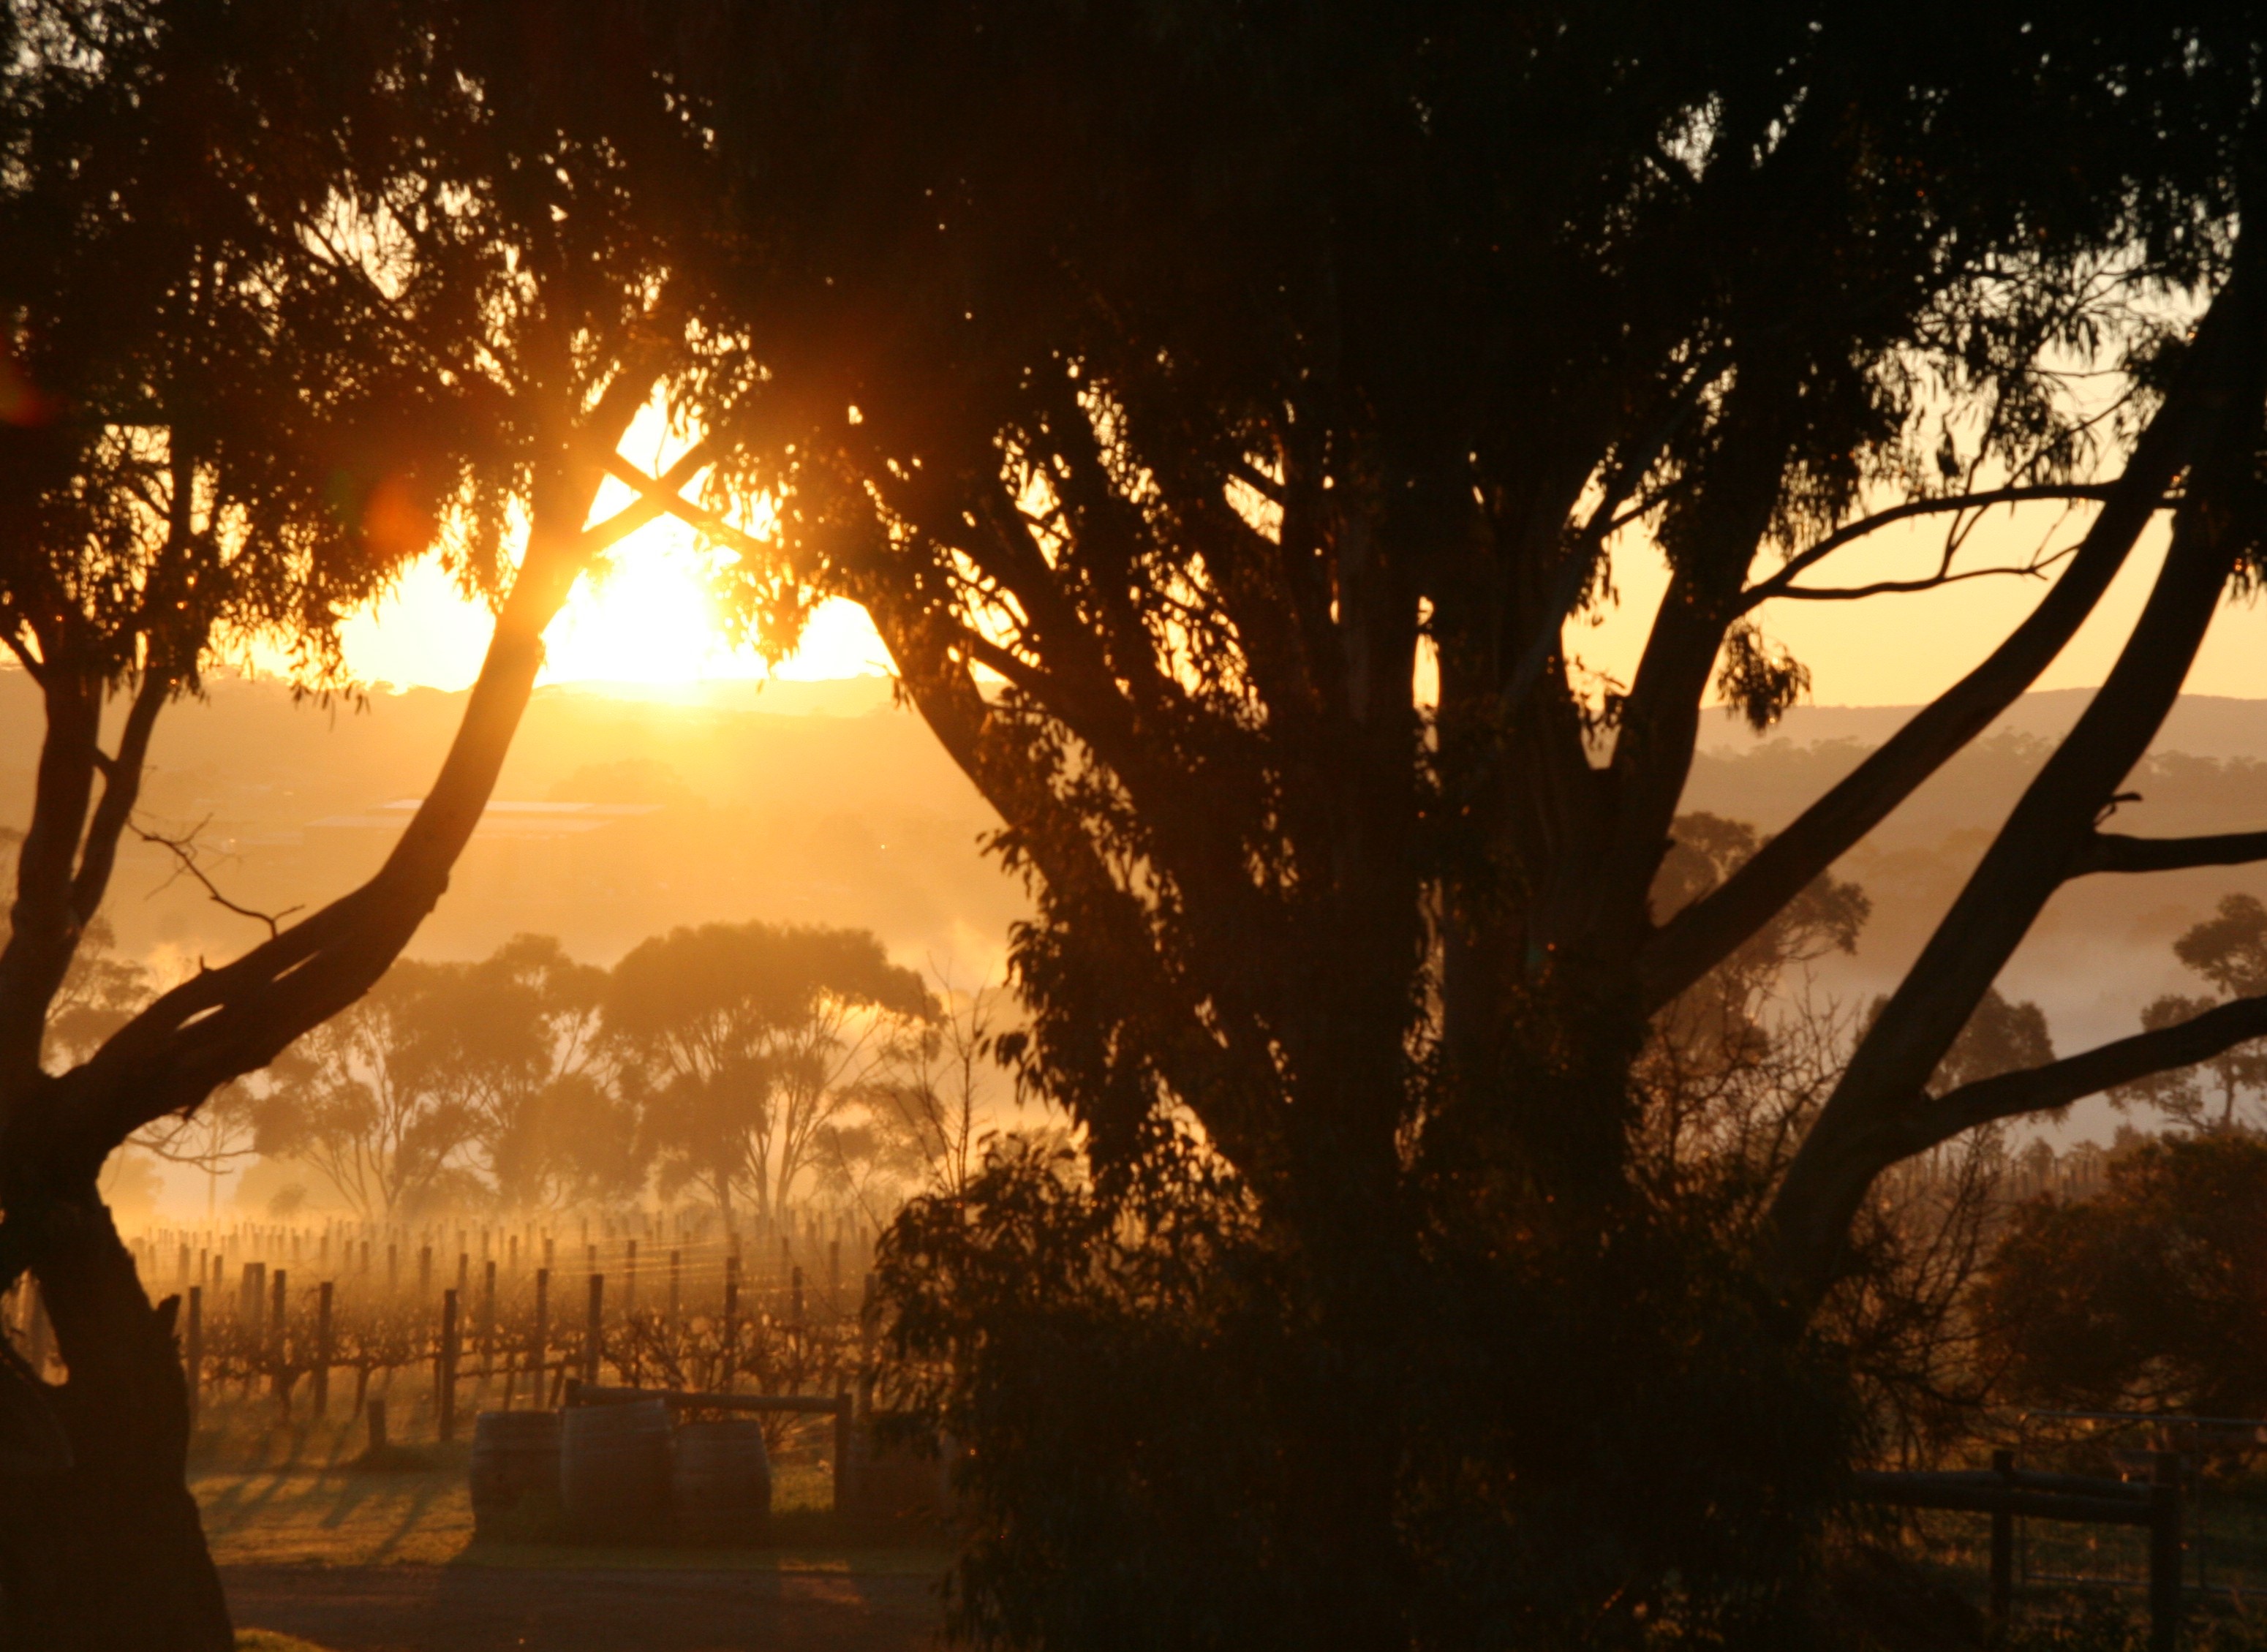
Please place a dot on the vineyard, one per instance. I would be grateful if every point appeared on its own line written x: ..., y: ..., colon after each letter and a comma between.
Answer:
x: 450, y: 1319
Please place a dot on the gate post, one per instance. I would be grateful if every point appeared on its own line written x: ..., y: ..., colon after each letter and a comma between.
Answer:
x: 2165, y: 1552
x: 2003, y: 1545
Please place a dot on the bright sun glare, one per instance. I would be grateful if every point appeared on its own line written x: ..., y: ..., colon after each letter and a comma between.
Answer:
x: 645, y: 618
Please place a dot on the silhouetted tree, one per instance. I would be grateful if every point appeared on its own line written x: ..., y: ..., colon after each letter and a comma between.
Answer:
x: 2229, y: 950
x: 1186, y: 393
x: 363, y: 1101
x: 514, y: 1040
x: 746, y: 1041
x: 283, y: 292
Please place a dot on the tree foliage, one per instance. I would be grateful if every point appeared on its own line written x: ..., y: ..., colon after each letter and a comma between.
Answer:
x: 2229, y: 950
x: 1225, y: 415
x: 747, y: 1041
x: 2148, y: 1295
x: 285, y: 291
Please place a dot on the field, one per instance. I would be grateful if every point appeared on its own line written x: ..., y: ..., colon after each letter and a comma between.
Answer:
x: 315, y: 1541
x: 301, y: 1495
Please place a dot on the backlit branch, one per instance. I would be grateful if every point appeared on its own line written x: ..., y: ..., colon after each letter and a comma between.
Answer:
x: 1707, y: 931
x: 2115, y: 852
x: 184, y: 851
x: 1943, y: 577
x: 2058, y: 1084
x: 1781, y: 584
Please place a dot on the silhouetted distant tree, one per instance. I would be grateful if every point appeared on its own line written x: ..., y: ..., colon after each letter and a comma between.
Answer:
x: 2229, y: 950
x: 515, y: 1040
x: 746, y: 1041
x: 363, y: 1101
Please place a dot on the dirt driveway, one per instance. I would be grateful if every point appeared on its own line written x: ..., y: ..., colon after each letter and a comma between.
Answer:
x: 482, y: 1609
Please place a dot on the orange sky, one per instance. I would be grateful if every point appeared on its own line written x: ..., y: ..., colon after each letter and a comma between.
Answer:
x: 647, y: 622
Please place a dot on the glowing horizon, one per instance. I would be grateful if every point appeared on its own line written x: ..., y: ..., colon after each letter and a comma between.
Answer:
x: 647, y: 621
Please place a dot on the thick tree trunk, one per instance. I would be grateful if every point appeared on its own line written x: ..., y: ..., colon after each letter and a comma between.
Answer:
x: 109, y: 1555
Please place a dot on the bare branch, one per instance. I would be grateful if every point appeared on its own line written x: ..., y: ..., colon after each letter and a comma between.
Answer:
x: 121, y: 787
x: 656, y: 497
x: 663, y: 491
x: 184, y: 851
x: 2058, y: 1084
x: 2116, y: 852
x: 1780, y: 584
x: 1906, y: 587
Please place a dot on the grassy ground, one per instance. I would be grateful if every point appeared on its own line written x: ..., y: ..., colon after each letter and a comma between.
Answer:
x: 298, y: 1492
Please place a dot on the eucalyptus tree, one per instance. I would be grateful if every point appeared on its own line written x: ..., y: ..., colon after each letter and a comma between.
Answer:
x: 745, y: 1042
x: 287, y: 293
x: 515, y: 1040
x: 1225, y: 416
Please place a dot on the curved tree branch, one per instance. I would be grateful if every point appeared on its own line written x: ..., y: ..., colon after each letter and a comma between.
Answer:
x: 1781, y: 584
x: 1866, y: 1116
x: 226, y: 1022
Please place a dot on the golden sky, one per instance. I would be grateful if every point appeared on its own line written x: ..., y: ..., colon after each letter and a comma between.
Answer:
x: 647, y: 621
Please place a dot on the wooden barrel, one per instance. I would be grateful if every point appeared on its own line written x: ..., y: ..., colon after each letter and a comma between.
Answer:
x: 514, y: 1453
x: 613, y: 1470
x: 719, y: 1489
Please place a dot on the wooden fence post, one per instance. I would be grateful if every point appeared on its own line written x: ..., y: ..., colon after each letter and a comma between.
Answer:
x: 2003, y: 1546
x: 193, y: 1353
x: 593, y: 1334
x: 731, y: 1320
x: 2165, y: 1552
x: 319, y: 1380
x: 673, y: 1264
x: 280, y: 1375
x: 488, y: 1317
x: 446, y: 1373
x: 841, y: 1448
x: 541, y: 1351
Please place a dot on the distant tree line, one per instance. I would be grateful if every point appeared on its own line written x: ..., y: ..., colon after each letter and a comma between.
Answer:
x: 750, y: 1067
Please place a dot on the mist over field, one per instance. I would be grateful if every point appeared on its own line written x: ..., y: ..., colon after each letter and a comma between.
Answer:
x: 2102, y: 948
x: 791, y: 802
x: 623, y: 813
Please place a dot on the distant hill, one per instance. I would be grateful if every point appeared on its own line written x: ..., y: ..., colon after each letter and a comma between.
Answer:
x: 2201, y: 725
x: 826, y: 803
x: 2101, y: 949
x: 802, y: 801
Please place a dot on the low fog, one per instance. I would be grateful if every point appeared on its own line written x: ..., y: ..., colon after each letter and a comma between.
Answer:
x: 624, y: 813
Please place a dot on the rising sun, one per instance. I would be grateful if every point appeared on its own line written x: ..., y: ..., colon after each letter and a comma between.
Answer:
x: 645, y: 618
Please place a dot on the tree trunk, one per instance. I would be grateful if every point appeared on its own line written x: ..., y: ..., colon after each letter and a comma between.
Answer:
x: 109, y: 1555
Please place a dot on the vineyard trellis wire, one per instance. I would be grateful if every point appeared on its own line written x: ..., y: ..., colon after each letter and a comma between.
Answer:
x: 505, y: 1314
